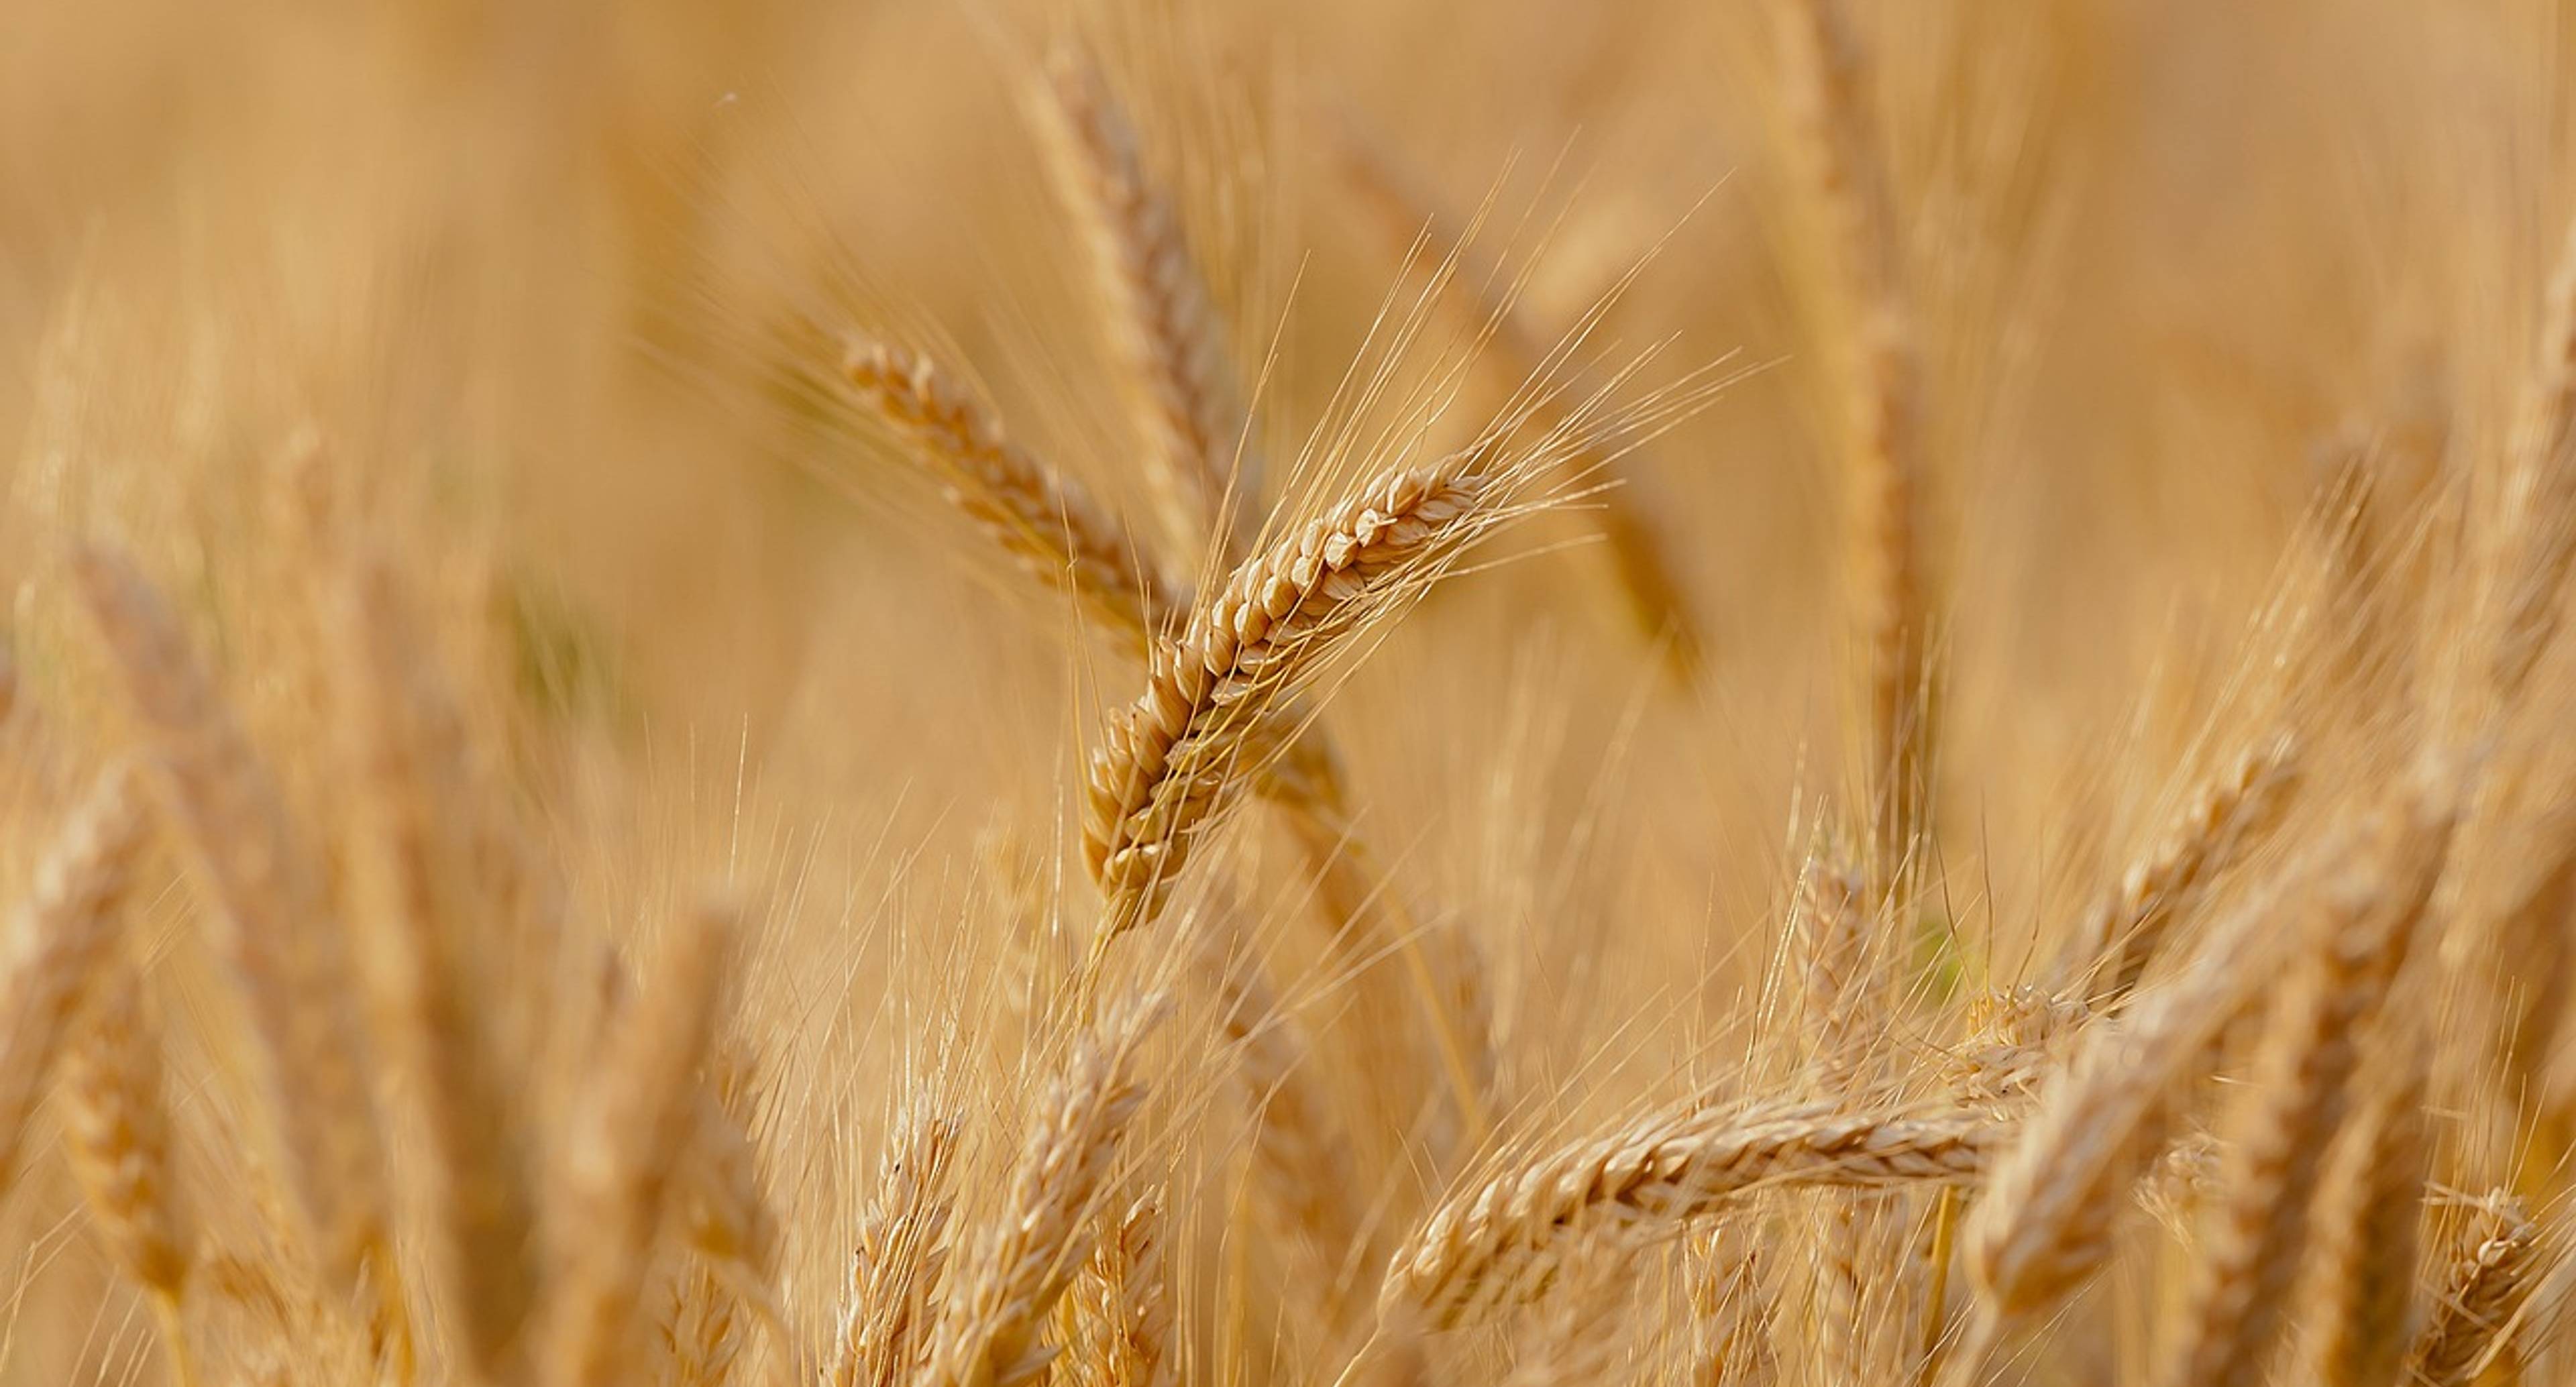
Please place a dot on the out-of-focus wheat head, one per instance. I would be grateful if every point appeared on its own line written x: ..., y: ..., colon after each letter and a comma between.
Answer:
x: 1139, y: 692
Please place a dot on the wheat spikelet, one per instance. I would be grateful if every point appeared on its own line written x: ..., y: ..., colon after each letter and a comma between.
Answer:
x: 1038, y: 516
x: 625, y: 1155
x: 59, y: 936
x: 427, y: 904
x: 1827, y: 82
x: 1501, y: 1239
x: 700, y: 1332
x: 1168, y: 766
x: 2224, y: 821
x: 268, y: 919
x: 116, y: 1130
x: 2491, y: 1273
x: 902, y: 1247
x: 1121, y: 1320
x: 2361, y: 933
x: 1167, y: 331
x: 1006, y: 1289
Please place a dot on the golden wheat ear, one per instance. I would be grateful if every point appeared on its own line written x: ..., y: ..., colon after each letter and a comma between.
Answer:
x: 1502, y: 1240
x: 116, y: 1129
x: 1041, y: 518
x: 903, y: 1245
x: 267, y: 913
x: 1200, y: 467
x: 1169, y: 765
x: 60, y: 936
x: 1006, y: 1288
x: 1119, y: 1331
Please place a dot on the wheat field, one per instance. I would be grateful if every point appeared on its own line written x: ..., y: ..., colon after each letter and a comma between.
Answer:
x: 1155, y: 692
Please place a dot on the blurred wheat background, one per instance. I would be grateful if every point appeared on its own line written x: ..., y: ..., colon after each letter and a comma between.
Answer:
x: 1172, y: 691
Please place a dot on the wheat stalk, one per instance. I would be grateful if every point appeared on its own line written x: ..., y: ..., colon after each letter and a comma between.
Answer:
x: 1827, y: 89
x: 1643, y: 564
x: 1504, y: 1237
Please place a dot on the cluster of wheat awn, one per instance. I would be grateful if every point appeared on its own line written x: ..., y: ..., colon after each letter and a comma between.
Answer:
x: 1903, y: 725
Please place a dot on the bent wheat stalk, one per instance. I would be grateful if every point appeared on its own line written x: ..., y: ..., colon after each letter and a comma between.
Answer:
x: 1503, y: 1239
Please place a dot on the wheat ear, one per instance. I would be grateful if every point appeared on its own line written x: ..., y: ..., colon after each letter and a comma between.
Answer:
x: 2223, y: 822
x: 284, y: 951
x: 1007, y: 1288
x: 2369, y: 1211
x: 1179, y: 370
x: 1169, y: 765
x: 61, y: 933
x: 1300, y: 1155
x: 425, y: 907
x: 2043, y: 1223
x: 1503, y: 1238
x: 116, y: 1129
x: 903, y: 1244
x: 1121, y: 1331
x: 2491, y: 1273
x: 1037, y: 515
x: 1827, y: 85
x: 2363, y: 927
x: 625, y: 1153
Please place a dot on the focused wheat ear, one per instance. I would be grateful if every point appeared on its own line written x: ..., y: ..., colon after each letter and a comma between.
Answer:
x: 1173, y: 762
x: 270, y: 922
x: 1502, y: 1238
x: 60, y: 935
